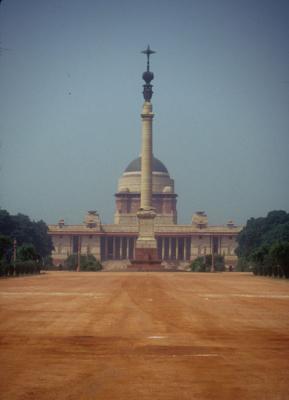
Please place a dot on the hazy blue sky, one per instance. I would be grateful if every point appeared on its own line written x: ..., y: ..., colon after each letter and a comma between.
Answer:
x: 71, y: 96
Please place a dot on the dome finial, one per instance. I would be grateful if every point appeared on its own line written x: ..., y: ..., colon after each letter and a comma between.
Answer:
x: 148, y: 76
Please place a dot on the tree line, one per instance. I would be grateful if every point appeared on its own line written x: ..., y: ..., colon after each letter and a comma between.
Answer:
x: 263, y: 245
x: 25, y: 245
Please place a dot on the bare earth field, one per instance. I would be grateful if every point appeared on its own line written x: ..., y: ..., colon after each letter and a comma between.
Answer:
x: 144, y: 336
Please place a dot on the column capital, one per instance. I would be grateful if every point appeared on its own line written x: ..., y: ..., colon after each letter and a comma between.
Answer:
x: 147, y: 115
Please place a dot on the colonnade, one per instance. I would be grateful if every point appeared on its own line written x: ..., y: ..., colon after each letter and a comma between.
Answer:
x: 174, y: 248
x: 169, y: 247
x: 122, y: 247
x: 117, y: 247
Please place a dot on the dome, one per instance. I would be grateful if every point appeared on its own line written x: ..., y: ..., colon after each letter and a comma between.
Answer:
x: 135, y: 166
x: 130, y: 180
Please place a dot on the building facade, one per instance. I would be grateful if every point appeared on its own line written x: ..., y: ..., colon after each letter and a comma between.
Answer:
x: 175, y: 242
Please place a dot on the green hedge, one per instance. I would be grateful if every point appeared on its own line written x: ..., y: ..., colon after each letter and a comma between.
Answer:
x: 275, y: 271
x: 21, y: 268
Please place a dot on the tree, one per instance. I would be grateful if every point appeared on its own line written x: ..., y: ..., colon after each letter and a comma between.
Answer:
x: 26, y: 252
x: 25, y: 231
x: 6, y: 245
x: 277, y: 233
x: 263, y: 243
x: 6, y: 223
x: 258, y: 258
x: 263, y: 230
x: 259, y: 254
x: 42, y: 241
x: 280, y: 254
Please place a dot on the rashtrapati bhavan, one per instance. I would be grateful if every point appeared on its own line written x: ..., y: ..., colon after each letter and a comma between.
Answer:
x: 145, y: 233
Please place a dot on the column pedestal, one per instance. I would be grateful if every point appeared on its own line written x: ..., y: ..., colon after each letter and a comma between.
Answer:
x: 146, y: 252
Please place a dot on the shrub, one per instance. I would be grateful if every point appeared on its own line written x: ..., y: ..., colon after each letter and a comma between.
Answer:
x: 204, y: 264
x: 219, y: 263
x: 198, y: 265
x: 87, y: 263
x: 243, y: 265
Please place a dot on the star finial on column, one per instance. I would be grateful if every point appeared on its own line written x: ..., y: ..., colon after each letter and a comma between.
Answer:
x: 148, y: 52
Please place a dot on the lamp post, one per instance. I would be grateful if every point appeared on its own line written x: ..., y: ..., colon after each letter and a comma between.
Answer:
x: 78, y: 254
x: 213, y: 256
x: 14, y: 255
x: 213, y: 261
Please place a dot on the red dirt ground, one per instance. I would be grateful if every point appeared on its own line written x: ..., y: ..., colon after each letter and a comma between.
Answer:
x: 130, y: 336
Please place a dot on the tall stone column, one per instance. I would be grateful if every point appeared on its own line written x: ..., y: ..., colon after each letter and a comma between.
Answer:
x: 146, y: 242
x: 146, y: 156
x: 146, y: 255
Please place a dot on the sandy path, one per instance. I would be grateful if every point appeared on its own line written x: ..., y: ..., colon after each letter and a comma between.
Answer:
x: 144, y: 336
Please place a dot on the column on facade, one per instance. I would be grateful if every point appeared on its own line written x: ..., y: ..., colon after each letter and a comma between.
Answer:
x: 106, y: 247
x: 123, y: 247
x: 189, y: 248
x: 182, y: 248
x: 163, y: 248
x: 120, y: 247
x: 113, y: 247
x: 134, y: 245
x: 193, y: 247
x: 185, y: 248
x: 177, y: 248
x: 116, y: 251
x: 80, y: 244
x: 127, y: 247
